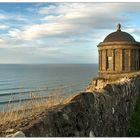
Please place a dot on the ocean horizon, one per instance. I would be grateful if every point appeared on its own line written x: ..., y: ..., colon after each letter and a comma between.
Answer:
x: 19, y: 81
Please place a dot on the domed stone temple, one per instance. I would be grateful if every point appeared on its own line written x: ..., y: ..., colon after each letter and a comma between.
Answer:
x: 118, y: 53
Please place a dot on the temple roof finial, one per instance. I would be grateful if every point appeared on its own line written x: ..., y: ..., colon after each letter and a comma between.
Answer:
x: 119, y: 27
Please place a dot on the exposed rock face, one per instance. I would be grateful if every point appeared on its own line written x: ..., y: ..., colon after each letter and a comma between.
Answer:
x: 101, y: 113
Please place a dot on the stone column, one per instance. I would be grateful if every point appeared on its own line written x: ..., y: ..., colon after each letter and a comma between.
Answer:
x: 103, y: 60
x: 106, y: 60
x: 129, y: 57
x: 100, y: 59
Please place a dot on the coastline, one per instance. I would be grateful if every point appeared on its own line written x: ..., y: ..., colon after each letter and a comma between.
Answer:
x: 101, y: 112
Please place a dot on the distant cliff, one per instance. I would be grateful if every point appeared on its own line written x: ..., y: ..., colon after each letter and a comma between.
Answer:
x: 102, y: 110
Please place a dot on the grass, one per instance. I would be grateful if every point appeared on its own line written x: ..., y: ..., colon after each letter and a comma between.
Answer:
x: 99, y: 78
x: 109, y: 79
x: 134, y: 128
x: 34, y: 105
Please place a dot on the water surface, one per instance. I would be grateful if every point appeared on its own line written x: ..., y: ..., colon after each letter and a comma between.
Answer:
x: 19, y: 81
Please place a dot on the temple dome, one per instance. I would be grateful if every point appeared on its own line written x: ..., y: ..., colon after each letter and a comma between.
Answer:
x: 119, y: 36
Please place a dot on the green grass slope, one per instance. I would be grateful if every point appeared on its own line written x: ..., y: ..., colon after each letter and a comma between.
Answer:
x: 134, y: 129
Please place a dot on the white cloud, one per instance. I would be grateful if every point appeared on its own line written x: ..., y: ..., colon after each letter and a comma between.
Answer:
x: 14, y: 33
x: 3, y: 16
x: 2, y: 41
x: 75, y: 18
x: 3, y: 26
x: 48, y: 9
x: 12, y: 16
x: 65, y: 29
x: 20, y: 18
x: 52, y: 18
x: 40, y: 30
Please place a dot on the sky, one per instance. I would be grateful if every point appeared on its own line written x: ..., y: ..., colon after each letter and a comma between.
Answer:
x: 61, y: 32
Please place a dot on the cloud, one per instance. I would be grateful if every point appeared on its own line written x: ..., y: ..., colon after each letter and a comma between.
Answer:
x: 75, y: 19
x: 4, y: 26
x: 40, y: 30
x: 60, y: 30
x: 91, y: 13
x: 2, y: 41
x: 14, y: 32
x: 48, y: 9
x: 3, y: 16
x: 68, y: 19
x: 19, y: 17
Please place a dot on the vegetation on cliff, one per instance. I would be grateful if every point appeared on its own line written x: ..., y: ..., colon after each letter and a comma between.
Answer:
x: 32, y: 107
x: 134, y: 128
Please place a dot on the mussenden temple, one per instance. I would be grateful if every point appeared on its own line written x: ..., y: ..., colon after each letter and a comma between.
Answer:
x: 119, y: 53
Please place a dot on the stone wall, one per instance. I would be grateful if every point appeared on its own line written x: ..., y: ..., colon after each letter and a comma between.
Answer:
x: 102, y: 111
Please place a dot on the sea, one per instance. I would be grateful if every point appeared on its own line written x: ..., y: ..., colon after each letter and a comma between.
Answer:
x: 20, y: 82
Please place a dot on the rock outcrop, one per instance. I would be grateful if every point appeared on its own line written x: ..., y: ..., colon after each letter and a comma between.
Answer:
x: 102, y: 111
